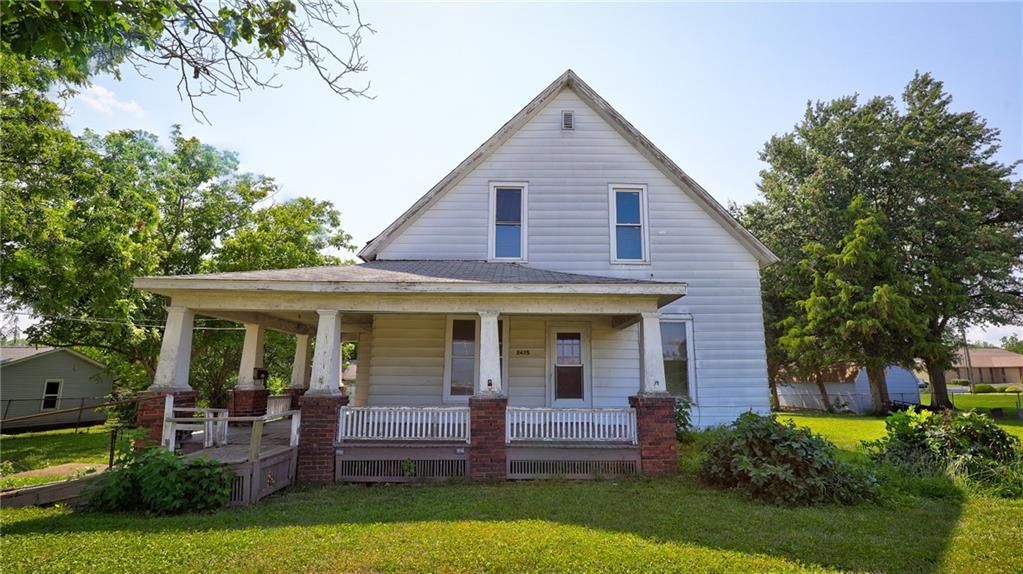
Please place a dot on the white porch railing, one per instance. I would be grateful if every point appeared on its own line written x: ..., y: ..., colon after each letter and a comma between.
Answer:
x: 277, y: 404
x: 404, y: 423
x: 571, y: 425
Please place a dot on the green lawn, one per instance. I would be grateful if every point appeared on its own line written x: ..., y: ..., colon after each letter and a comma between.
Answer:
x: 29, y: 451
x: 982, y: 401
x: 669, y: 524
x: 846, y: 431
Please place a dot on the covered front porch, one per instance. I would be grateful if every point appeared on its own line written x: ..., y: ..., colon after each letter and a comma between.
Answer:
x: 484, y: 370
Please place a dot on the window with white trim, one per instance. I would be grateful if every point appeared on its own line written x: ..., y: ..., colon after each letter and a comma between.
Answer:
x: 51, y: 394
x: 677, y: 349
x: 629, y: 243
x: 508, y: 221
x: 569, y: 365
x: 462, y: 357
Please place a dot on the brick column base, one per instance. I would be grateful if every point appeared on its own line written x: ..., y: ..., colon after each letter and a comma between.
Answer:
x: 488, y: 458
x: 150, y: 413
x: 247, y: 402
x: 316, y: 456
x: 296, y: 394
x: 655, y: 425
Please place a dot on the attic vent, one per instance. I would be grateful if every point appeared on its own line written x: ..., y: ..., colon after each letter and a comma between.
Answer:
x: 567, y: 120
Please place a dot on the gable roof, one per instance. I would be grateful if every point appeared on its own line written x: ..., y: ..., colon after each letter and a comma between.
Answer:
x: 18, y: 354
x: 569, y: 80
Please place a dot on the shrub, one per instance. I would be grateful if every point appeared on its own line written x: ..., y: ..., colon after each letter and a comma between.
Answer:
x: 1013, y: 389
x: 983, y: 388
x: 683, y: 419
x: 959, y: 382
x: 968, y: 447
x: 160, y: 483
x: 782, y: 464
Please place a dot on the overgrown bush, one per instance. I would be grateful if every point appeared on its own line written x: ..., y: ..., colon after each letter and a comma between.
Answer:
x: 968, y: 447
x: 983, y: 388
x: 782, y: 464
x: 683, y: 419
x: 158, y: 482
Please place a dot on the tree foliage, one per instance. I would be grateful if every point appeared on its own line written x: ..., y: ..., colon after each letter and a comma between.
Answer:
x: 215, y: 47
x: 83, y: 216
x: 947, y: 224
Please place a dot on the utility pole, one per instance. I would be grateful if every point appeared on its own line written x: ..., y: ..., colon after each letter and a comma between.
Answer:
x: 966, y: 358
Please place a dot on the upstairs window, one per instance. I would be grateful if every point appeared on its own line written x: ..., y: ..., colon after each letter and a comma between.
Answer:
x: 508, y: 221
x: 51, y: 394
x: 628, y: 224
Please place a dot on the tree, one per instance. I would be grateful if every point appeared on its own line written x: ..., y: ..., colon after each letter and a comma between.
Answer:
x: 82, y: 216
x: 952, y: 215
x: 1013, y: 343
x: 216, y: 47
x: 860, y: 306
x: 297, y: 233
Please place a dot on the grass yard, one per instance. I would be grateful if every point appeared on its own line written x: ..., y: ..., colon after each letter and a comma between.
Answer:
x: 983, y: 401
x: 669, y: 524
x: 31, y: 451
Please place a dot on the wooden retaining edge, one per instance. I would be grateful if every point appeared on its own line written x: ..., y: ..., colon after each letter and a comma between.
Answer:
x: 64, y: 492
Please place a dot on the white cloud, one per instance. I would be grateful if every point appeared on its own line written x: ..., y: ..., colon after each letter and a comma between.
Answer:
x: 993, y: 334
x: 107, y: 103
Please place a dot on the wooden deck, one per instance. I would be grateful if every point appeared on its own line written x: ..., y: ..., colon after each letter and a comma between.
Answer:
x: 276, y: 439
x: 260, y: 452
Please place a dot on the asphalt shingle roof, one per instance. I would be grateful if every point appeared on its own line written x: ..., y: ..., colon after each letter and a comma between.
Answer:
x: 419, y: 271
x: 14, y: 353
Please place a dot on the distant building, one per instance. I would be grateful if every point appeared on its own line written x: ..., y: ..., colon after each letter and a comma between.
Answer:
x: 849, y: 390
x: 987, y: 365
x: 37, y: 380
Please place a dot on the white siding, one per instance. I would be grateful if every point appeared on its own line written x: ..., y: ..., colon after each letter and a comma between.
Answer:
x: 568, y: 174
x: 407, y: 361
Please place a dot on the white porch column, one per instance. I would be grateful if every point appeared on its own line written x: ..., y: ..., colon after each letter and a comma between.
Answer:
x: 300, y: 366
x: 490, y: 354
x: 651, y: 353
x: 175, y: 351
x: 252, y: 357
x: 326, y: 375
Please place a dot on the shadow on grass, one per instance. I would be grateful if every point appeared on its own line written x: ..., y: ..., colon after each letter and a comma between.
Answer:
x: 670, y: 510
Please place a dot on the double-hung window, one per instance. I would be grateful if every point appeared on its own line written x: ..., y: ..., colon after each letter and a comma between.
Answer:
x: 677, y: 348
x: 51, y: 394
x: 508, y: 221
x: 462, y: 356
x: 629, y: 232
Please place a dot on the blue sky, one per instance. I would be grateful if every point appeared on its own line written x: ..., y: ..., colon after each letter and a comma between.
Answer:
x: 709, y: 84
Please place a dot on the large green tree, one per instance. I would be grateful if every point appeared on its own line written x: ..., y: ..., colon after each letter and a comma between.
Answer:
x: 951, y: 212
x: 223, y: 46
x: 82, y: 216
x: 859, y: 308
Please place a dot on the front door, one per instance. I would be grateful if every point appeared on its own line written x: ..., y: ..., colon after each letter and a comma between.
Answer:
x: 568, y: 378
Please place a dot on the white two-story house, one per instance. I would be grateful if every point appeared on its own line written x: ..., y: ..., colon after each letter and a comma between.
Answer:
x: 565, y: 266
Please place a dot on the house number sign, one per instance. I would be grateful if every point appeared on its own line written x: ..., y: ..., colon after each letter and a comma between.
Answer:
x: 521, y: 352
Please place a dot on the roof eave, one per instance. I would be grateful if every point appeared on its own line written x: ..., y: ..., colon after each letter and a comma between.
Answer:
x: 165, y: 285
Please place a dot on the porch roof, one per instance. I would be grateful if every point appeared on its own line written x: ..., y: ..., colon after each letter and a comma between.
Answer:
x: 430, y: 276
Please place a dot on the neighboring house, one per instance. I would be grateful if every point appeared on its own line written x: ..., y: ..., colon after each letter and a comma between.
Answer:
x: 559, y: 286
x: 987, y: 365
x: 36, y: 380
x: 850, y: 391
